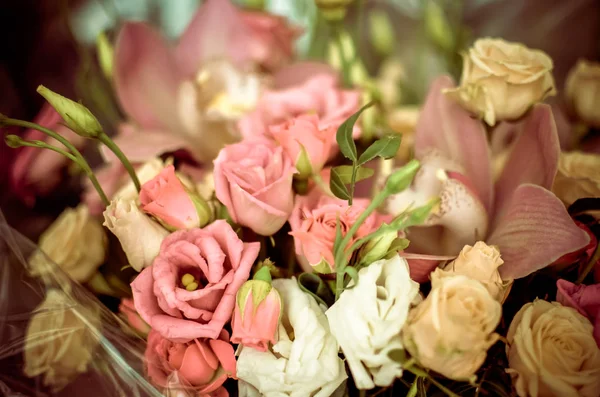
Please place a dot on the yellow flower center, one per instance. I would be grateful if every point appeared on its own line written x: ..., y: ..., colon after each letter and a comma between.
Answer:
x: 189, y: 282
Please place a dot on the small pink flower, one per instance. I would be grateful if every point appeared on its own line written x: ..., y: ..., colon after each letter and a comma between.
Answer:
x: 583, y: 298
x: 127, y: 309
x: 200, y: 366
x: 304, y: 132
x: 313, y: 223
x: 217, y: 261
x: 253, y: 179
x: 166, y: 198
x: 35, y: 172
x: 256, y: 315
x: 318, y: 94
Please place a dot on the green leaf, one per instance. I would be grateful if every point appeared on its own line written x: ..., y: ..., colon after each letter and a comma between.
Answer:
x: 313, y: 285
x: 345, y: 173
x: 350, y: 271
x: 344, y: 135
x: 337, y: 186
x: 385, y: 147
x: 76, y: 116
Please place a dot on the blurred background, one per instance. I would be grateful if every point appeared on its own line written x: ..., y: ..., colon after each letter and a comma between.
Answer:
x: 53, y: 42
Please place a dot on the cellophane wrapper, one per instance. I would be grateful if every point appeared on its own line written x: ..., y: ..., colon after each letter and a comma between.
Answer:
x: 56, y: 338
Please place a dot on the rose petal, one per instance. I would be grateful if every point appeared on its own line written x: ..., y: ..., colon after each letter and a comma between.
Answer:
x: 146, y: 77
x: 534, y: 231
x: 534, y: 158
x: 443, y: 125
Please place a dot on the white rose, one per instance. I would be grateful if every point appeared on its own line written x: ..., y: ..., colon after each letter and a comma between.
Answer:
x: 502, y: 80
x: 578, y: 176
x: 367, y: 319
x: 304, y: 361
x: 552, y: 352
x: 583, y: 92
x: 452, y: 329
x: 139, y: 235
x: 60, y: 339
x: 76, y: 242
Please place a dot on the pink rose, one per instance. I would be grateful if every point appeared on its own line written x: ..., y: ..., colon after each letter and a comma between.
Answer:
x: 189, y: 290
x: 318, y: 94
x: 127, y: 309
x: 200, y: 366
x: 304, y: 132
x: 35, y: 172
x: 256, y: 315
x: 313, y: 223
x: 271, y: 44
x: 166, y: 198
x: 253, y: 179
x: 583, y: 298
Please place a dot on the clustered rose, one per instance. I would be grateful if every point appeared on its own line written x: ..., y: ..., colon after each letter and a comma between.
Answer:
x: 217, y: 262
x: 552, y: 352
x: 502, y: 80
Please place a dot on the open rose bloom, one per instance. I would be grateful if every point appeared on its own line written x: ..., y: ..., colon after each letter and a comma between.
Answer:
x: 373, y: 223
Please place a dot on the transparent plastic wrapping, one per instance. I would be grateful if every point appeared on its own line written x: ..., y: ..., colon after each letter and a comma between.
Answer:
x: 56, y: 338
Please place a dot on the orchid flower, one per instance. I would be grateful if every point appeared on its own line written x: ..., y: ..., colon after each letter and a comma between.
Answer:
x: 190, y: 96
x: 518, y: 213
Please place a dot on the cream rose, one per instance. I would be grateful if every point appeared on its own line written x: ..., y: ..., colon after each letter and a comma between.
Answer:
x: 139, y: 235
x: 452, y: 329
x: 76, y: 242
x: 552, y: 352
x: 578, y: 176
x: 479, y: 262
x: 502, y: 80
x: 59, y: 343
x: 583, y: 92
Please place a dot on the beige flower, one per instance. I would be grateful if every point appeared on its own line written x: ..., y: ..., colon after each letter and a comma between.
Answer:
x: 59, y: 343
x: 502, y: 80
x: 583, y: 92
x: 139, y: 235
x: 479, y: 262
x: 552, y: 352
x: 452, y: 329
x: 403, y: 120
x: 76, y: 242
x: 578, y: 176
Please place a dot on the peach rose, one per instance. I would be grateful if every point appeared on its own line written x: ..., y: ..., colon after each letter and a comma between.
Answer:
x: 307, y: 144
x: 189, y: 291
x: 199, y: 367
x: 552, y: 352
x: 166, y: 198
x: 253, y: 179
x: 313, y: 223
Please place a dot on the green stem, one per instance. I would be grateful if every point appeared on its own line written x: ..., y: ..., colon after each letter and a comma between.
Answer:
x: 75, y: 152
x: 352, y: 183
x: 588, y: 268
x: 44, y: 145
x: 423, y: 374
x: 340, y: 255
x: 338, y: 34
x: 105, y: 139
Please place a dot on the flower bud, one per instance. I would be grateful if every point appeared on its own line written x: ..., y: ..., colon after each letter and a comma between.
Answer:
x: 333, y: 10
x: 382, y: 32
x: 105, y: 55
x: 376, y: 248
x: 76, y: 116
x: 256, y: 314
x: 303, y: 164
x: 402, y: 178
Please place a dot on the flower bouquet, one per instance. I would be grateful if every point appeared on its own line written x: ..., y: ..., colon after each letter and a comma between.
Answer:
x: 275, y: 227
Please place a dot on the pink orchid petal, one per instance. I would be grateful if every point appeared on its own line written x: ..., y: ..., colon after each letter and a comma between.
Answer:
x: 216, y: 31
x: 142, y: 145
x: 534, y: 158
x: 583, y: 298
x: 298, y: 73
x: 534, y: 231
x: 445, y: 126
x: 146, y: 77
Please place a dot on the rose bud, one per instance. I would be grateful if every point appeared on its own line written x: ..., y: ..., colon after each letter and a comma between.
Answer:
x: 175, y: 207
x: 257, y: 312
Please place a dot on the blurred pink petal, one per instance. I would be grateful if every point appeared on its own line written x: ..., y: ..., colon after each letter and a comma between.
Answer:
x: 216, y: 31
x: 422, y: 265
x: 534, y: 158
x: 146, y: 77
x: 110, y: 176
x: 298, y: 73
x: 583, y: 298
x: 534, y: 231
x: 446, y: 127
x: 141, y: 145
